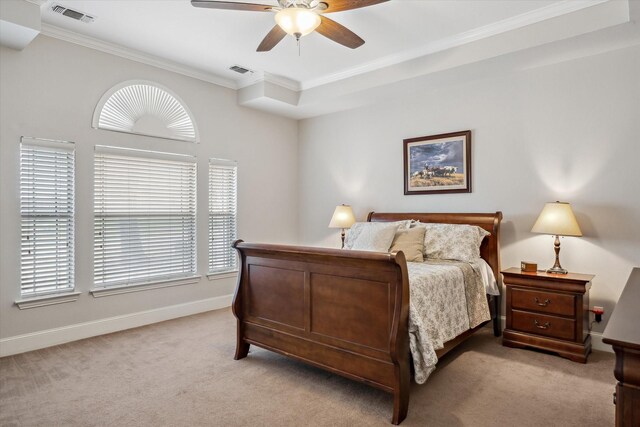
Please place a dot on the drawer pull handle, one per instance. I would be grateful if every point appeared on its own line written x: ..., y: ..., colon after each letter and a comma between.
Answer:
x: 542, y: 304
x: 615, y: 400
x: 539, y: 326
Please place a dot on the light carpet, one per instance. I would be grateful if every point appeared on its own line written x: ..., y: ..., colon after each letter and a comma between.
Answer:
x: 182, y: 373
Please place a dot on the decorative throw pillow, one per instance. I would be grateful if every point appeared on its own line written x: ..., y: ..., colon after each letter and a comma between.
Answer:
x: 410, y: 242
x: 376, y: 237
x: 453, y: 241
x: 356, y: 229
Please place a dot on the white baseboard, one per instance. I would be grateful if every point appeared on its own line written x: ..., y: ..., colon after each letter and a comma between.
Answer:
x: 596, y: 339
x: 50, y: 337
x: 597, y: 344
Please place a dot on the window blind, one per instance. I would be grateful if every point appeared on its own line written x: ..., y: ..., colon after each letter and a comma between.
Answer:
x: 223, y: 175
x: 144, y: 217
x: 47, y: 217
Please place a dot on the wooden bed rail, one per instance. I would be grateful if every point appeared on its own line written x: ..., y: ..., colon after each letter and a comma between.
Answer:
x: 343, y: 311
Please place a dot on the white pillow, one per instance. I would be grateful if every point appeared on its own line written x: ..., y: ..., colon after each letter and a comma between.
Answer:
x: 375, y: 236
x: 356, y: 229
x: 453, y: 241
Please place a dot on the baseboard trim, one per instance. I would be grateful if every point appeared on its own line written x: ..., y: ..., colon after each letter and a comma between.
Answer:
x: 596, y: 339
x: 597, y: 344
x: 50, y: 337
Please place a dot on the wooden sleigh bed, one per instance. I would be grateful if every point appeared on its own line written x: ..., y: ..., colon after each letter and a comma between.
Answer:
x: 343, y: 311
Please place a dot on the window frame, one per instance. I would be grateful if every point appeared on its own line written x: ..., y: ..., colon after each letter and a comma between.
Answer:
x: 232, y: 268
x: 58, y: 295
x: 151, y: 281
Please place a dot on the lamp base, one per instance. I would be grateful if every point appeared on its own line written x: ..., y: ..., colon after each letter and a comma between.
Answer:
x: 557, y: 270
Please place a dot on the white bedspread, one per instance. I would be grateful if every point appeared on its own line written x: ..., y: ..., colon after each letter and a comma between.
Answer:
x: 446, y: 299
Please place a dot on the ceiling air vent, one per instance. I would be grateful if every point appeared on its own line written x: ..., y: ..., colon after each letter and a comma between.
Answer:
x: 241, y: 70
x: 74, y: 14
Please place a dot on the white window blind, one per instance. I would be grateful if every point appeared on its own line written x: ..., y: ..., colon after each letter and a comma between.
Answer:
x: 46, y: 210
x: 144, y: 217
x: 223, y: 176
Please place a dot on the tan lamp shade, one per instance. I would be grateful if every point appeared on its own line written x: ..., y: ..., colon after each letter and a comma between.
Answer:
x: 557, y: 218
x: 342, y: 217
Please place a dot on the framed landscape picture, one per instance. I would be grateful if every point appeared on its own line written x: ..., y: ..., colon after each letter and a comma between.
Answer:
x: 438, y: 164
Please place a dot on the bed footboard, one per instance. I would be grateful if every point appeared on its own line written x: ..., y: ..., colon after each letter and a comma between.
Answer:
x: 343, y: 311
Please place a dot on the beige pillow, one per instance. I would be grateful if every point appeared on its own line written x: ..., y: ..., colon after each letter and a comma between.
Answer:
x: 410, y: 242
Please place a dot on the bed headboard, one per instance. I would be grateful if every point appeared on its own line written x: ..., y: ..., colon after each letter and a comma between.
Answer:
x: 490, y: 248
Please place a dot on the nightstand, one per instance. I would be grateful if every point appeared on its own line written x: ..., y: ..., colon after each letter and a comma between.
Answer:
x: 548, y: 312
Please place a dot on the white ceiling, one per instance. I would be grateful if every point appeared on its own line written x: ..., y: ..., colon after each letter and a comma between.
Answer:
x: 405, y: 40
x: 213, y: 40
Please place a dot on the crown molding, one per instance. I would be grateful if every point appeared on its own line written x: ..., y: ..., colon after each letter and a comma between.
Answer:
x: 263, y: 76
x: 532, y: 17
x: 548, y: 12
x: 134, y: 55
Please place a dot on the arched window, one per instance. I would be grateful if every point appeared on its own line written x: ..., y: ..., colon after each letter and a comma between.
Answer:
x: 145, y: 108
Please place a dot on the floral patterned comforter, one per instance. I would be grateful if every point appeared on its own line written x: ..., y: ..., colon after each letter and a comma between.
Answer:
x: 446, y: 299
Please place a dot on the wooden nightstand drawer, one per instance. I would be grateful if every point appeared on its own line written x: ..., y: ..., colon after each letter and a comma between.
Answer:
x: 540, y: 324
x: 544, y: 302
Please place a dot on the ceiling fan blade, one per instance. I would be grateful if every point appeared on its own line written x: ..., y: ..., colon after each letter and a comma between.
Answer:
x: 231, y: 5
x: 340, y: 5
x: 339, y: 33
x: 272, y: 39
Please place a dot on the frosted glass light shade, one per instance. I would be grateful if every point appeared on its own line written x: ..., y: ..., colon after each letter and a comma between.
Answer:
x: 342, y: 217
x: 557, y: 218
x: 297, y: 21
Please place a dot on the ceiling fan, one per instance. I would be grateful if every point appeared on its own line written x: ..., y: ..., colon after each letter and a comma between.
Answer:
x: 299, y: 18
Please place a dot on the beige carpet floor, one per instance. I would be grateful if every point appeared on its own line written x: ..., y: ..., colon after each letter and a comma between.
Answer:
x: 182, y: 373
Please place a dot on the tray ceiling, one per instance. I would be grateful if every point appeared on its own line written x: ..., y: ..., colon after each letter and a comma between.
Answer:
x: 405, y: 39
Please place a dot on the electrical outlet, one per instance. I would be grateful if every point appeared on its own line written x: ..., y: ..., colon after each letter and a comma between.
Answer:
x: 598, y: 312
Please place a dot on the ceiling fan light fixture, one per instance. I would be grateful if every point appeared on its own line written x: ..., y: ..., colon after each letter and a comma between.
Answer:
x: 297, y: 21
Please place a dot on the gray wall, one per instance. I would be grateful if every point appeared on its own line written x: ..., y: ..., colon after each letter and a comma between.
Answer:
x: 566, y: 132
x: 50, y: 90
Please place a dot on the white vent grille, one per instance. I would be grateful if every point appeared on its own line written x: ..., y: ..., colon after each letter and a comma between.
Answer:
x: 240, y: 70
x: 73, y: 14
x: 144, y: 108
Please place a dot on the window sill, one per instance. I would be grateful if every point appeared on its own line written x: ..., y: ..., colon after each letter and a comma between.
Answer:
x: 125, y: 289
x: 223, y: 275
x: 43, y: 301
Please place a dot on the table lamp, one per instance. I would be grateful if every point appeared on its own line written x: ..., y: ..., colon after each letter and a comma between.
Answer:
x: 557, y: 219
x: 342, y: 218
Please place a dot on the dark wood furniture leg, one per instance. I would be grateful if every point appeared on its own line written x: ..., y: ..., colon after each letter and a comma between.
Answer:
x: 497, y: 306
x: 242, y: 347
x: 401, y: 395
